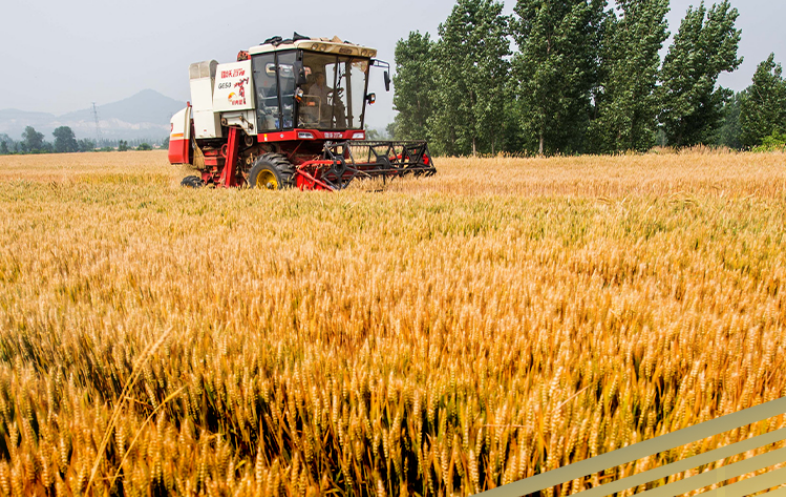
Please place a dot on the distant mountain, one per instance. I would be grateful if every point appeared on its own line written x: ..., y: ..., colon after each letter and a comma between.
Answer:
x: 147, y: 106
x: 145, y: 115
x: 12, y: 119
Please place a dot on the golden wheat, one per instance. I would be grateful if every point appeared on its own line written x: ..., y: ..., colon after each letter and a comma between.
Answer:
x: 446, y: 336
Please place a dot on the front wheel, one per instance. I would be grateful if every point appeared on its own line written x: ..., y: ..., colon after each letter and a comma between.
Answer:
x: 272, y: 171
x: 192, y: 182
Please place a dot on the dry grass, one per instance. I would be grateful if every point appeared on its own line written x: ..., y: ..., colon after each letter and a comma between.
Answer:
x: 451, y: 334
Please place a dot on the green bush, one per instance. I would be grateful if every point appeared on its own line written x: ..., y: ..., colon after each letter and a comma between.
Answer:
x: 776, y: 142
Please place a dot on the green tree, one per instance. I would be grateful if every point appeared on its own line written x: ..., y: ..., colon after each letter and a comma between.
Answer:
x: 730, y: 133
x: 513, y: 136
x: 414, y: 85
x: 557, y: 68
x: 471, y: 72
x: 144, y: 146
x: 122, y: 146
x: 763, y: 107
x: 626, y: 104
x: 377, y: 134
x: 392, y: 132
x: 65, y: 141
x: 86, y: 145
x: 32, y: 140
x: 7, y: 145
x: 705, y: 46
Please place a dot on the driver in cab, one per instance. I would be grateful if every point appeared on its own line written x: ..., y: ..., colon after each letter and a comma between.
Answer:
x: 321, y: 91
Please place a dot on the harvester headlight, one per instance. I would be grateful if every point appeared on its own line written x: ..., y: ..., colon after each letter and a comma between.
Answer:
x: 359, y: 136
x: 305, y: 136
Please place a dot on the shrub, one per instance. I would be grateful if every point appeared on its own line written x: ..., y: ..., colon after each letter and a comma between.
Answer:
x: 776, y: 142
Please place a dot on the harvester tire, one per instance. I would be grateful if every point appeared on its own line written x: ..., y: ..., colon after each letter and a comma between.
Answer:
x: 272, y: 171
x: 192, y: 182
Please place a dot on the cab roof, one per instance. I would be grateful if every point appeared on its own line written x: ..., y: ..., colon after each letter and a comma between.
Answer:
x: 324, y: 45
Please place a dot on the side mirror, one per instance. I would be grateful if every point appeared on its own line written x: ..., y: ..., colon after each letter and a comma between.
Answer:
x: 371, y: 98
x: 387, y: 81
x: 300, y: 73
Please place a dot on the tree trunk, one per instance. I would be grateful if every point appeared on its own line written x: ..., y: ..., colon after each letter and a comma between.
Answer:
x: 474, y: 147
x: 540, y: 146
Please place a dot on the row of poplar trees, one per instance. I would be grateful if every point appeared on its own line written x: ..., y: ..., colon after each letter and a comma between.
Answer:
x: 567, y: 77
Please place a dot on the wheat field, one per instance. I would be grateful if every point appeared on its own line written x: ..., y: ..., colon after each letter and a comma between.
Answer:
x: 436, y: 336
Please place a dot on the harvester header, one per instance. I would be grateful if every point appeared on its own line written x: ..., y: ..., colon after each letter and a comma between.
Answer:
x: 288, y: 113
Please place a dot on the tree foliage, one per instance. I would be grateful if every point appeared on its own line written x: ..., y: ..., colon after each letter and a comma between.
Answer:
x: 470, y: 78
x: 65, y: 141
x: 556, y: 69
x: 86, y: 145
x: 705, y: 46
x: 585, y: 77
x: 763, y: 106
x: 776, y: 142
x: 32, y: 140
x: 414, y: 85
x: 730, y: 132
x: 7, y: 145
x: 626, y: 104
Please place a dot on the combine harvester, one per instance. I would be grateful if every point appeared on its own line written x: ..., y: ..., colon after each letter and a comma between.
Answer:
x: 288, y: 113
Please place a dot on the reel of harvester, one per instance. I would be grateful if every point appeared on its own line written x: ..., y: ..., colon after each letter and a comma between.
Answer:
x: 342, y: 162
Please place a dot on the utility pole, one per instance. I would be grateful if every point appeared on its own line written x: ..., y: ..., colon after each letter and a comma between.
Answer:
x: 98, y: 126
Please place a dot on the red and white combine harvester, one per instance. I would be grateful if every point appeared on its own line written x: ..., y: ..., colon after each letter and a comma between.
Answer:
x: 288, y: 113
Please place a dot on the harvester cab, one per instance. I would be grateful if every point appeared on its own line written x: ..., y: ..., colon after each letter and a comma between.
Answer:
x: 288, y: 113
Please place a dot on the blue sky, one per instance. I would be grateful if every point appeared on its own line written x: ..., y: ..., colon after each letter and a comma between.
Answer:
x: 61, y: 56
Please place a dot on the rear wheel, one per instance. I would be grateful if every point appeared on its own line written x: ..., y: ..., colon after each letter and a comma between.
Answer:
x: 272, y: 171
